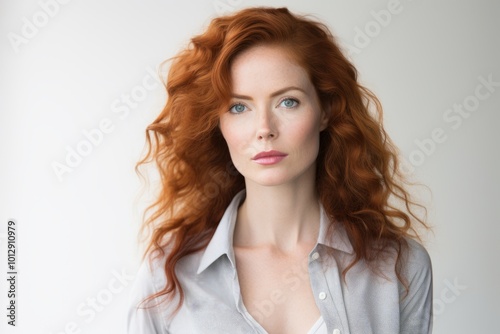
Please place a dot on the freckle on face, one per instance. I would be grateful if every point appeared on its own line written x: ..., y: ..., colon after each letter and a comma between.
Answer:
x: 266, y: 122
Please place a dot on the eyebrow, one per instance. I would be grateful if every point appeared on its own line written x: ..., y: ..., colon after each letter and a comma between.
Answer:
x: 276, y: 93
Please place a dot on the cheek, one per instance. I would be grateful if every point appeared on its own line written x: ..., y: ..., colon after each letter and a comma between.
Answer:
x: 236, y: 141
x: 234, y: 132
x: 306, y: 133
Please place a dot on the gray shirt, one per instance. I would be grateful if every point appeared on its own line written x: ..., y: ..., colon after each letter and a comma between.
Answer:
x: 366, y: 302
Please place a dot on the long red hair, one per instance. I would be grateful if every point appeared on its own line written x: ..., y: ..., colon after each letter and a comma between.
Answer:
x: 357, y: 175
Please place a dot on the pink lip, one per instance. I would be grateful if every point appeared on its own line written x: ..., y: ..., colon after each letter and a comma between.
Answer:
x: 269, y: 157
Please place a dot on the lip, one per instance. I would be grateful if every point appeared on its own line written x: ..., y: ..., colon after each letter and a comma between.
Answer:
x: 269, y: 157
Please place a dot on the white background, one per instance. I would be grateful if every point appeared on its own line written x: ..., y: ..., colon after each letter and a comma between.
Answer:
x: 78, y: 233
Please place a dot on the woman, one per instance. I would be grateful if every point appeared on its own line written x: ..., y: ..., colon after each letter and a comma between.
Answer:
x: 277, y: 209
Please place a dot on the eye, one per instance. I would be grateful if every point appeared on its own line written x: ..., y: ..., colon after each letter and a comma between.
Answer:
x: 237, y: 108
x: 289, y: 103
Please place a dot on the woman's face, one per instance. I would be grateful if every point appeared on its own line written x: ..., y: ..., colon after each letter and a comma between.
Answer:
x: 273, y: 123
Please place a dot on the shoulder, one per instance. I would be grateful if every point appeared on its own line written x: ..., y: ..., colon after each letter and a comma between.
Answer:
x: 151, y: 272
x: 147, y: 316
x: 416, y: 261
x: 149, y: 280
x: 416, y: 271
x: 416, y: 296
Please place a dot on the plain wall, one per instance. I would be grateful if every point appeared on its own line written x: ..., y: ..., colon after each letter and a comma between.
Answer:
x: 89, y: 65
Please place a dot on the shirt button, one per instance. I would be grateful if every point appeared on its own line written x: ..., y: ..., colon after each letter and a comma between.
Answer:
x: 315, y: 256
x: 336, y: 331
x: 322, y: 295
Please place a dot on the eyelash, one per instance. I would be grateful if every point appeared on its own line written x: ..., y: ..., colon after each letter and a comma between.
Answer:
x: 297, y: 102
x: 234, y: 105
x: 291, y: 99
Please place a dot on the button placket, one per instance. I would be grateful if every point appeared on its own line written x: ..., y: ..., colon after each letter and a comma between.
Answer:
x: 324, y: 297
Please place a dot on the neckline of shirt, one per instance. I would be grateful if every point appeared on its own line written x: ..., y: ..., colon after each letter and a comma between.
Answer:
x: 222, y: 240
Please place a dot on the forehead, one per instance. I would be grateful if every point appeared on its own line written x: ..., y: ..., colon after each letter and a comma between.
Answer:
x: 266, y: 67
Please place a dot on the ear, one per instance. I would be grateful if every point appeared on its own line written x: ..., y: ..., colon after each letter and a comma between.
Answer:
x: 325, y: 118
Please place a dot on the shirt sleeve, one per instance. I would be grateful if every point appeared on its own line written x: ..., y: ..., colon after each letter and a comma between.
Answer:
x: 144, y: 318
x: 416, y: 306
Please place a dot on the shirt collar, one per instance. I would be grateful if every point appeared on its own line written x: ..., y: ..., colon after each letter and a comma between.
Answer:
x: 338, y: 239
x: 222, y: 240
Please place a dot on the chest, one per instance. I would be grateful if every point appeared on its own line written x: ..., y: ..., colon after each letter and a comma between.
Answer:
x: 276, y: 290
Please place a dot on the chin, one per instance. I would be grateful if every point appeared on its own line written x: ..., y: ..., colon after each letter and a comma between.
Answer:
x: 270, y: 183
x: 278, y: 176
x: 271, y: 179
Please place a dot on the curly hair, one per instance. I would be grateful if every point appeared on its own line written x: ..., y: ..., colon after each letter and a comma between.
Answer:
x: 357, y: 178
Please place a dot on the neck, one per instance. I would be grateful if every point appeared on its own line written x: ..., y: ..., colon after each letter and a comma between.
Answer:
x: 280, y: 217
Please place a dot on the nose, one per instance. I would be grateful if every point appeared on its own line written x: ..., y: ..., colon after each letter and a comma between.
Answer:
x: 266, y: 126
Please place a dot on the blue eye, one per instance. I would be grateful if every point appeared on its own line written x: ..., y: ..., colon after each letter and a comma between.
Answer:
x: 237, y: 108
x: 289, y: 103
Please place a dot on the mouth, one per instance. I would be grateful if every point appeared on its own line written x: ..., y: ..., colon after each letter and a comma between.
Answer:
x: 269, y: 157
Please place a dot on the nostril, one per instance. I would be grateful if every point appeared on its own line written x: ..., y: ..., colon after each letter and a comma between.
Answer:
x: 269, y: 135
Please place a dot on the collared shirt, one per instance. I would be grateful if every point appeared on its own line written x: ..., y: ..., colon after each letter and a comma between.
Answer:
x: 365, y: 302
